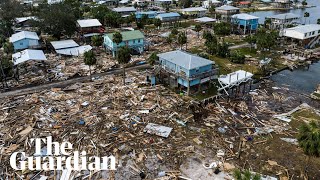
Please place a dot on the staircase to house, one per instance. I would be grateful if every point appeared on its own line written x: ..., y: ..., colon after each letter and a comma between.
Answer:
x: 313, y: 42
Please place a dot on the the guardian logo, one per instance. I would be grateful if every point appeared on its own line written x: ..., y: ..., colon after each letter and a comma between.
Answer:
x: 61, y: 158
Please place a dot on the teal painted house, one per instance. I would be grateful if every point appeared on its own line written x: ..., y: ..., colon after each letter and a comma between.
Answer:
x: 246, y: 23
x: 133, y: 39
x: 24, y: 40
x: 187, y: 69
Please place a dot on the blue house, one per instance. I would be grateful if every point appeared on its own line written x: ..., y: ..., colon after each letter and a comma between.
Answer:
x: 166, y: 17
x: 149, y: 14
x: 24, y: 40
x: 188, y: 70
x: 132, y: 39
x: 245, y: 22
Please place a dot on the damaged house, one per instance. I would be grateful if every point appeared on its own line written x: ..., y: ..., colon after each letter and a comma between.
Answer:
x: 186, y: 70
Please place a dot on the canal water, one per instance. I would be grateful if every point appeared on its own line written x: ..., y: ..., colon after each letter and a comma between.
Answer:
x: 301, y: 80
x: 314, y: 13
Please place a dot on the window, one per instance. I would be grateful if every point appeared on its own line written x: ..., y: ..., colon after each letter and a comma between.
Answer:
x: 21, y: 43
x: 305, y: 35
x: 138, y: 40
x: 313, y: 32
x: 309, y: 33
x: 319, y: 32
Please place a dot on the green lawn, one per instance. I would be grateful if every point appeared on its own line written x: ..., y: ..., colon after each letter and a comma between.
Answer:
x: 225, y: 66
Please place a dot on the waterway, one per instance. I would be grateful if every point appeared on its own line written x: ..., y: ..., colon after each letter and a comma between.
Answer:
x: 302, y: 80
x: 314, y: 13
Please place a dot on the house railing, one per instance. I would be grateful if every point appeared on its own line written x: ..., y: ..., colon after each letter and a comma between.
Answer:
x: 201, y: 75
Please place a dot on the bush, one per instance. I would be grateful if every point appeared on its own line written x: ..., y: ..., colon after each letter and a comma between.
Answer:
x: 237, y: 57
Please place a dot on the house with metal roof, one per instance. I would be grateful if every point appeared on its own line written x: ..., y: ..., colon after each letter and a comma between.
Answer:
x: 89, y: 27
x: 246, y: 23
x: 169, y: 17
x: 187, y: 70
x: 280, y: 21
x: 124, y: 11
x: 194, y: 11
x: 132, y: 39
x: 69, y: 47
x: 24, y: 40
x: 226, y: 12
x: 306, y: 35
x: 149, y: 14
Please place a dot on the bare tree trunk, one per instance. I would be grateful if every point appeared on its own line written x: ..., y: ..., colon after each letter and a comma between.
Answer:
x: 124, y: 75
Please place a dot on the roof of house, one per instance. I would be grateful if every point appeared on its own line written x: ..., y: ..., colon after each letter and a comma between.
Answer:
x: 64, y: 44
x: 74, y: 51
x: 27, y: 55
x: 128, y: 35
x: 146, y: 12
x: 192, y: 9
x: 23, y: 19
x: 205, y: 19
x: 171, y: 14
x: 284, y: 16
x: 235, y: 77
x: 124, y: 9
x: 227, y: 8
x: 89, y: 23
x: 305, y: 28
x: 23, y: 35
x: 184, y: 59
x: 244, y: 16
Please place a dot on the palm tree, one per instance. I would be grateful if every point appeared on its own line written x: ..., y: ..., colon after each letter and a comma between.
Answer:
x: 90, y: 59
x: 124, y: 57
x: 117, y: 38
x: 306, y: 15
x: 182, y: 39
x: 309, y: 139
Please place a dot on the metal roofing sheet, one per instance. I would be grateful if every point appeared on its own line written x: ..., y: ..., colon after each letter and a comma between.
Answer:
x: 64, y: 44
x: 27, y: 55
x: 89, y: 23
x: 185, y: 60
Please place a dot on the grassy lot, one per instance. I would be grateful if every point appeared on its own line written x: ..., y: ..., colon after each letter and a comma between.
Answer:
x: 227, y: 67
x: 233, y: 40
x: 247, y: 51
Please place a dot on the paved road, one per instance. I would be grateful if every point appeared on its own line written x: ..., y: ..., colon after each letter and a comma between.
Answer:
x: 240, y: 46
x: 67, y: 82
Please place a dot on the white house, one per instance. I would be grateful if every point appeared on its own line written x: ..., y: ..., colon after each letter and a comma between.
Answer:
x: 207, y: 4
x: 280, y: 21
x: 194, y: 11
x: 307, y: 35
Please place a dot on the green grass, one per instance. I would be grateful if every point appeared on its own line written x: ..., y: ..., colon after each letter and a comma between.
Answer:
x: 247, y: 51
x: 306, y: 113
x: 232, y: 40
x: 226, y: 67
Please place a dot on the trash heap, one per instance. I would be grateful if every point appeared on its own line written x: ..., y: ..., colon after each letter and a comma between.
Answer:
x: 102, y: 117
x: 58, y: 68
